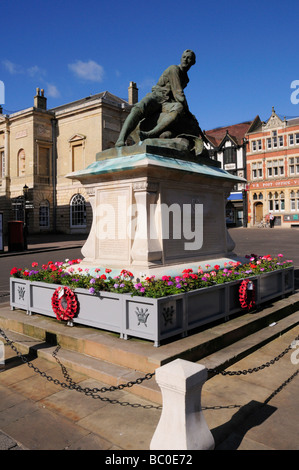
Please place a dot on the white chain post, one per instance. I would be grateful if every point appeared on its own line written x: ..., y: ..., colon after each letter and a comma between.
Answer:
x: 182, y: 424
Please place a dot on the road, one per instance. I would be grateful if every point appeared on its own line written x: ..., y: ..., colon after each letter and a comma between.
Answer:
x: 247, y: 241
x: 25, y: 260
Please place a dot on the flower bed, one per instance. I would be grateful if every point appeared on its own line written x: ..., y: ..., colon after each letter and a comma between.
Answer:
x: 153, y: 309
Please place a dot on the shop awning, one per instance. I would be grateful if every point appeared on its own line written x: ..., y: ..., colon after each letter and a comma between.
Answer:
x: 235, y: 197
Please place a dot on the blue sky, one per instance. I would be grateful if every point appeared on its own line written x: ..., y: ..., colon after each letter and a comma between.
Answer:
x: 247, y: 52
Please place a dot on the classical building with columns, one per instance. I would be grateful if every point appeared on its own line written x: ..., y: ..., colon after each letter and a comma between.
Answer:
x: 273, y: 171
x: 39, y: 146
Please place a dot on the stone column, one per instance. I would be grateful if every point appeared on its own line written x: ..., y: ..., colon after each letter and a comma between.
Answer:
x: 182, y: 425
x: 146, y: 240
x: 89, y: 248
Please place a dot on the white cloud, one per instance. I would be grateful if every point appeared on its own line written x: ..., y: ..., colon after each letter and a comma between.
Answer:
x: 12, y: 68
x: 52, y: 91
x: 89, y: 70
x: 35, y: 70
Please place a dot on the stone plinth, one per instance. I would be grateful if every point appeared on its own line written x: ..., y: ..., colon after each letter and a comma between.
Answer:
x: 154, y: 213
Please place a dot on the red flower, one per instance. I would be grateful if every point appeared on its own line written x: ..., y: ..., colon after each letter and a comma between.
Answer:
x: 216, y: 267
x: 107, y: 270
x: 34, y: 264
x: 103, y: 276
x: 13, y: 271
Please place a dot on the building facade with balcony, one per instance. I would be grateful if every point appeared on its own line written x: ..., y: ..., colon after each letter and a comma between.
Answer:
x: 39, y: 146
x: 273, y: 171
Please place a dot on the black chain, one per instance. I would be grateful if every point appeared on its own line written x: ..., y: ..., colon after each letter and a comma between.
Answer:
x: 254, y: 369
x: 93, y: 391
x: 71, y: 385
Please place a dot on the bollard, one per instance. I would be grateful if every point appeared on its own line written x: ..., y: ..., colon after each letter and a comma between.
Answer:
x: 2, y: 361
x: 182, y: 424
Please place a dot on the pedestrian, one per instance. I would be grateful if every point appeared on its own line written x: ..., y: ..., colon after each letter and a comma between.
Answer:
x: 272, y: 218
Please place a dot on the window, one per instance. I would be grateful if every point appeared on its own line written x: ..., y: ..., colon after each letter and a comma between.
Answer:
x: 78, y: 211
x: 297, y: 139
x: 21, y: 162
x: 275, y: 168
x: 293, y: 165
x: 270, y: 200
x: 259, y: 144
x: 274, y: 139
x: 229, y: 155
x: 44, y: 214
x: 269, y: 169
x: 254, y: 145
x: 291, y: 139
x: 280, y: 139
x: 279, y: 204
x: 257, y: 170
x: 269, y: 143
x: 294, y: 201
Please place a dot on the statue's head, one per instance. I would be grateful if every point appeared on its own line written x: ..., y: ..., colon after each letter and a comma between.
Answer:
x: 188, y: 58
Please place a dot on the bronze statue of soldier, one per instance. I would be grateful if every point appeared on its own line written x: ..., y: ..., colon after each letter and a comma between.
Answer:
x: 164, y: 113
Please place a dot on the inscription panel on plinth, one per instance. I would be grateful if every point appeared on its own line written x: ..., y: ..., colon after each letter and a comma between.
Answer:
x: 194, y: 223
x: 112, y: 221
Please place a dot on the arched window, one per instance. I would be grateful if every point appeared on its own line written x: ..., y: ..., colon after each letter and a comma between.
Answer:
x: 21, y: 162
x: 44, y: 214
x: 78, y: 211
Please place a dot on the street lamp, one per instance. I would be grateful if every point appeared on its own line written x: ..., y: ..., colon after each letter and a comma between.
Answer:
x: 25, y: 193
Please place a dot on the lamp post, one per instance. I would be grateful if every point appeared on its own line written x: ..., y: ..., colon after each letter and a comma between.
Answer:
x: 25, y: 232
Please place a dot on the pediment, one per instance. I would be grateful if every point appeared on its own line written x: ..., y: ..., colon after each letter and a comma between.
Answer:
x: 77, y: 137
x: 273, y: 122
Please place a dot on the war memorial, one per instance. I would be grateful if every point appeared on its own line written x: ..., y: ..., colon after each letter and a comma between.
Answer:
x: 158, y: 203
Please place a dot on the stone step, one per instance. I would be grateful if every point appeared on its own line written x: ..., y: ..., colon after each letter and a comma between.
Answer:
x: 229, y: 355
x: 105, y: 357
x: 107, y: 372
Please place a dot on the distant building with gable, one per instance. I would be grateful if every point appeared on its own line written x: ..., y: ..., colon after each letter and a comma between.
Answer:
x: 273, y: 171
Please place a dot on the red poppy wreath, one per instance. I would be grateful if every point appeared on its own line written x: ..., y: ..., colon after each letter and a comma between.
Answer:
x: 247, y: 301
x: 64, y: 303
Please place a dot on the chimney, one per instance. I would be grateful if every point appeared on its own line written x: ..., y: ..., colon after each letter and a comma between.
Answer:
x: 133, y: 93
x: 40, y: 101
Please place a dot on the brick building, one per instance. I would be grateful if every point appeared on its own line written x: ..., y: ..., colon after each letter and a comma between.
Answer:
x: 273, y: 171
x: 39, y: 146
